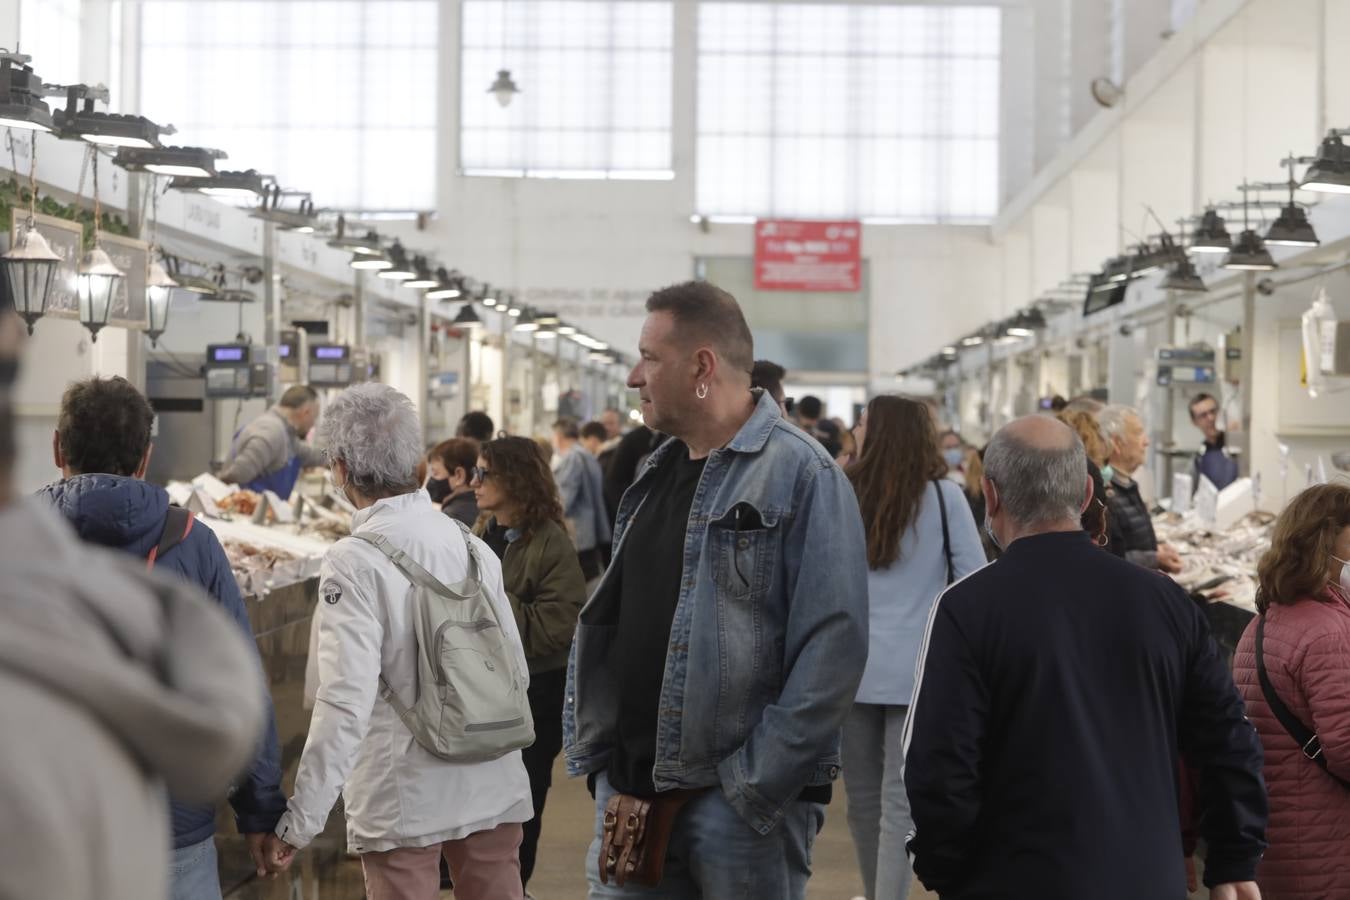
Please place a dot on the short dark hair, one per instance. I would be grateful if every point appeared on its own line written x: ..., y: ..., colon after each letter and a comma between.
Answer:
x: 568, y: 428
x: 477, y: 425
x: 767, y: 375
x: 299, y: 395
x: 810, y: 406
x: 704, y: 311
x: 1197, y: 400
x: 456, y: 453
x: 104, y: 426
x: 595, y: 430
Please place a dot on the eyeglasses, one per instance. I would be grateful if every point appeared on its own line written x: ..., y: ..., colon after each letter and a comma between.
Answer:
x: 477, y: 475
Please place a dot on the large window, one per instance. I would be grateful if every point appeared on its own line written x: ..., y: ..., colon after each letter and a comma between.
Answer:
x: 880, y: 112
x: 49, y: 31
x: 337, y: 98
x: 595, y: 88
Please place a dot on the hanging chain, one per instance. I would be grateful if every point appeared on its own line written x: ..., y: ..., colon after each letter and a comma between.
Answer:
x: 98, y: 209
x: 32, y: 179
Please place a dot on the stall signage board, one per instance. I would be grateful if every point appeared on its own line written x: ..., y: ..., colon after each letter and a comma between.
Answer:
x: 65, y: 238
x: 794, y: 255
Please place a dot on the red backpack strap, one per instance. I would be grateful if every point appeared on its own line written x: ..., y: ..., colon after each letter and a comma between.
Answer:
x: 177, y: 526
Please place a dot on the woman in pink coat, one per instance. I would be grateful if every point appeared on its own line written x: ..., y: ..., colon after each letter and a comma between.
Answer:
x: 1304, y: 597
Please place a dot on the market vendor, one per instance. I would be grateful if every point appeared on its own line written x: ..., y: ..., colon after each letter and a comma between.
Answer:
x: 269, y: 452
x: 1214, y: 460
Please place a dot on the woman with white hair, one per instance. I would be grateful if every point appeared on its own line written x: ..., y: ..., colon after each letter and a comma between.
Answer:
x: 405, y: 806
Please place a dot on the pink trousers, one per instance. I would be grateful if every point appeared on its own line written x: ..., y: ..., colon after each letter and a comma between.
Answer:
x: 485, y: 866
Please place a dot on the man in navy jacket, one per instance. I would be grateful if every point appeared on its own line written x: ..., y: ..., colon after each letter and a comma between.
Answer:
x: 1058, y: 687
x: 102, y: 446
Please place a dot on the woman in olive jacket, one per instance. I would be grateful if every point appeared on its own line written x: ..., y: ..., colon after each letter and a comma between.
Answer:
x: 522, y: 521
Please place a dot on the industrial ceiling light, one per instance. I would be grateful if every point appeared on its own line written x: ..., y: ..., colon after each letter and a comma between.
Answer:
x: 224, y: 185
x: 1292, y: 228
x: 447, y: 286
x: 567, y: 330
x: 300, y: 219
x: 524, y: 320
x: 104, y: 129
x: 950, y: 352
x: 422, y: 277
x: 204, y: 287
x: 1249, y: 253
x: 370, y: 262
x: 504, y: 88
x: 1212, y: 236
x: 21, y: 103
x: 1184, y: 277
x: 189, y: 162
x: 467, y: 318
x: 1329, y: 172
x: 400, y: 269
x: 512, y: 309
x: 974, y: 340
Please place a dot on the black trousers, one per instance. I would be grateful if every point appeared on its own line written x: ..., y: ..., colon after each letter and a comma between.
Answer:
x: 547, y: 692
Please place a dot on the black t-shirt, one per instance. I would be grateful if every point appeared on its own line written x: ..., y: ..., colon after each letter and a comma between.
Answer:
x: 649, y: 588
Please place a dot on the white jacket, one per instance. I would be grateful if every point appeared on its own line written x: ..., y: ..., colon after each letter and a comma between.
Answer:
x: 396, y: 793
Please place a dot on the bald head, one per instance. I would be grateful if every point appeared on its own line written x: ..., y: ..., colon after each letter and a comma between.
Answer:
x: 1039, y: 469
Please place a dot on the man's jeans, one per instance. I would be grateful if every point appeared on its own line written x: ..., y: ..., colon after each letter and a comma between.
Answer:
x: 715, y: 855
x: 193, y: 873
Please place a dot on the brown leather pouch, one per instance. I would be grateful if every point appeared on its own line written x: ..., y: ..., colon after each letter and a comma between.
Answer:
x: 637, y: 836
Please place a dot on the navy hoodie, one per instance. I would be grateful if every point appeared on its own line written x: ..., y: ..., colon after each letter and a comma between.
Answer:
x: 128, y: 514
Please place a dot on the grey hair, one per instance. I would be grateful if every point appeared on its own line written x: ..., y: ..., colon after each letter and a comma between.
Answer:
x: 374, y: 430
x: 1037, y: 484
x: 1113, y: 420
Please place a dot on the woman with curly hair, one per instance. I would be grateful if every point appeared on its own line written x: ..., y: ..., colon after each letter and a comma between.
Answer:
x: 518, y: 497
x: 1304, y: 599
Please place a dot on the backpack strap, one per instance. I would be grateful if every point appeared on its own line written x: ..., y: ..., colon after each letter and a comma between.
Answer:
x: 1304, y: 736
x: 177, y: 526
x: 946, y: 534
x: 464, y: 590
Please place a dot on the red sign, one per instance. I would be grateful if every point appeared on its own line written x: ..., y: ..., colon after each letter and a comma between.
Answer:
x: 807, y: 256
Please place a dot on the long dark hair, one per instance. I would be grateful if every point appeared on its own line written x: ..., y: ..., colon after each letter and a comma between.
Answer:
x: 900, y: 456
x: 518, y: 468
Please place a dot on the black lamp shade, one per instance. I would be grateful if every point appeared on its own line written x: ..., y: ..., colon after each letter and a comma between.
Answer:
x: 1292, y: 229
x: 1184, y: 277
x: 1212, y: 236
x: 107, y: 129
x: 468, y: 317
x: 97, y: 286
x: 1249, y: 254
x: 1330, y: 172
x: 30, y: 272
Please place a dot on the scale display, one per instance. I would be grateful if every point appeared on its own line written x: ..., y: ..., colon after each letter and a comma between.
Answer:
x: 330, y: 365
x: 231, y: 372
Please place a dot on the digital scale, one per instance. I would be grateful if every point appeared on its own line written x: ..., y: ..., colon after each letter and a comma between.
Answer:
x: 1185, y: 365
x: 236, y: 370
x: 330, y: 365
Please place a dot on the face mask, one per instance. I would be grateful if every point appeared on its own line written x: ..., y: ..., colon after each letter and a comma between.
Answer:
x: 1345, y: 573
x: 1108, y: 473
x: 993, y: 539
x: 954, y: 457
x: 439, y: 489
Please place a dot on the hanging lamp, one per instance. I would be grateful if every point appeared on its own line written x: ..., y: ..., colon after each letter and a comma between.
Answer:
x: 30, y: 265
x: 99, y: 279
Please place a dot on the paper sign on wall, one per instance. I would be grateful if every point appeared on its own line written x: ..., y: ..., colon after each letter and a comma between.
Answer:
x: 792, y: 255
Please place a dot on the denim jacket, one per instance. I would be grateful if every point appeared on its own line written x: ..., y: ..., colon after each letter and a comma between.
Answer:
x: 769, y: 637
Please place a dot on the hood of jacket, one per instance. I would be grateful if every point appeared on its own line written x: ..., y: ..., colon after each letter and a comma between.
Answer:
x: 111, y: 510
x: 151, y: 658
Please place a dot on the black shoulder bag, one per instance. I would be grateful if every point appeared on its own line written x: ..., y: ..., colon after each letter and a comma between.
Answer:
x: 946, y: 535
x: 1304, y: 736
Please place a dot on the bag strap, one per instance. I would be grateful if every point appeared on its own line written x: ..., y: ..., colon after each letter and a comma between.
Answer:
x: 946, y: 534
x: 177, y: 526
x: 1304, y: 736
x: 464, y: 590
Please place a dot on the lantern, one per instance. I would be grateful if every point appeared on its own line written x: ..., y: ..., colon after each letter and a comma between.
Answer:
x: 158, y: 292
x: 30, y: 271
x: 97, y: 285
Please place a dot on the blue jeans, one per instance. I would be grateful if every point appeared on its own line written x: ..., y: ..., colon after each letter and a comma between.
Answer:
x: 193, y: 874
x: 715, y: 855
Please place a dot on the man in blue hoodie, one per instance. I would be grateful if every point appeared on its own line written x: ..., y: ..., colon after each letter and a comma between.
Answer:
x: 102, y: 447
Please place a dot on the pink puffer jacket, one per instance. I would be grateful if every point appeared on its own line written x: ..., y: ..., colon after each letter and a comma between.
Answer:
x: 1307, y: 656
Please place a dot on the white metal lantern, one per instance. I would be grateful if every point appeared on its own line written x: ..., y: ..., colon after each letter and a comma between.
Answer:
x: 158, y: 292
x: 97, y: 285
x: 30, y: 271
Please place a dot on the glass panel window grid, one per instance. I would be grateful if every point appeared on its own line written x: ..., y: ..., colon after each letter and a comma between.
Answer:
x: 595, y: 89
x: 337, y: 98
x: 49, y: 31
x: 887, y: 113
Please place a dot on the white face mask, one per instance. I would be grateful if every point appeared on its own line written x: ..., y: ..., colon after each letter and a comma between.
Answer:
x: 1345, y: 573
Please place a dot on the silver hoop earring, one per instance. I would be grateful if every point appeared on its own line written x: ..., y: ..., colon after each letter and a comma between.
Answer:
x: 702, y: 392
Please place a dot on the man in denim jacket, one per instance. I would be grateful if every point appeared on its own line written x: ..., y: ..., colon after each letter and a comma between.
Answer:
x: 722, y: 650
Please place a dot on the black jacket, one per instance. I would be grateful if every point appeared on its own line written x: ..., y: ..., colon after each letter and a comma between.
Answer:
x: 1058, y: 688
x: 1129, y: 525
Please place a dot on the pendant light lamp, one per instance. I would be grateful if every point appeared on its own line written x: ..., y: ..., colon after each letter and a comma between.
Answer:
x: 1212, y: 236
x: 1249, y: 253
x: 159, y: 287
x: 1329, y: 173
x: 1292, y: 228
x: 468, y: 318
x: 504, y: 88
x: 1184, y: 277
x: 99, y: 279
x: 21, y: 103
x: 30, y: 265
